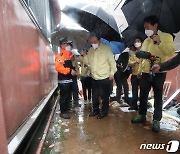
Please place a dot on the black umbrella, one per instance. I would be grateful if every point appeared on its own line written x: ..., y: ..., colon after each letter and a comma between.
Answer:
x: 79, y: 37
x: 95, y: 19
x: 130, y: 34
x: 167, y: 11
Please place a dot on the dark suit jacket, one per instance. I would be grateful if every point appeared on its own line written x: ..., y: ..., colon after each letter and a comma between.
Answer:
x: 122, y: 60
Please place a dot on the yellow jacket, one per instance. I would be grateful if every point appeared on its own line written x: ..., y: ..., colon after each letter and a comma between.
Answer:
x: 134, y: 63
x: 74, y: 60
x: 101, y: 62
x: 84, y: 69
x: 164, y: 50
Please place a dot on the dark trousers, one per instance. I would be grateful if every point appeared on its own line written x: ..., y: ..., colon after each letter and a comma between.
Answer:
x: 121, y: 80
x: 86, y: 86
x: 157, y: 83
x: 111, y: 87
x: 75, y: 90
x: 135, y: 82
x: 101, y: 88
x: 65, y: 95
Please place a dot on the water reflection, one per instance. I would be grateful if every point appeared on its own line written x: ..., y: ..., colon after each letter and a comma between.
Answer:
x: 81, y: 119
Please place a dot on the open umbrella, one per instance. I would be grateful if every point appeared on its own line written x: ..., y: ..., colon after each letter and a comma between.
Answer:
x: 79, y: 37
x: 130, y: 34
x: 116, y: 47
x: 95, y: 19
x: 167, y: 11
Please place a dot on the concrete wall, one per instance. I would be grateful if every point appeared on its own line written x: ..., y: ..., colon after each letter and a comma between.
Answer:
x: 174, y: 77
x: 26, y: 65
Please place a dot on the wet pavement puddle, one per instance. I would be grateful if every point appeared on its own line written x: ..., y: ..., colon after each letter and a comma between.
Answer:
x: 112, y: 135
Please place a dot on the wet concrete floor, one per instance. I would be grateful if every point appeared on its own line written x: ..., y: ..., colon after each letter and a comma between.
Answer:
x: 112, y: 135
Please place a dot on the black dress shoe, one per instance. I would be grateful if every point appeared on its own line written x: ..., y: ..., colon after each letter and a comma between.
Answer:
x: 100, y: 116
x: 92, y: 114
x: 65, y: 115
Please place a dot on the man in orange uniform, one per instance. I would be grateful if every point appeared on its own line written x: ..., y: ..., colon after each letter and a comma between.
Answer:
x: 65, y: 71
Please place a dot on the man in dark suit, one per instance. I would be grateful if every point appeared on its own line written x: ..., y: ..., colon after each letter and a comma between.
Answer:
x: 121, y: 77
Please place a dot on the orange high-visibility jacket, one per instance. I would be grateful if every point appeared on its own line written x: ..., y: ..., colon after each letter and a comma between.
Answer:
x: 60, y: 61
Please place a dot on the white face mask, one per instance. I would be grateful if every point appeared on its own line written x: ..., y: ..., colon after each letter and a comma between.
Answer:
x: 68, y: 48
x: 95, y: 46
x: 137, y: 44
x: 149, y: 32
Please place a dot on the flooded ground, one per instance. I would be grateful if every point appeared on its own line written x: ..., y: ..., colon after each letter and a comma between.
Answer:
x: 112, y: 135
